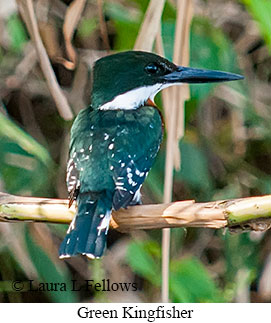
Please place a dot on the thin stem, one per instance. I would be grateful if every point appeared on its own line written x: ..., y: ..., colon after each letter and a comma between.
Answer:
x: 167, y: 198
x: 61, y: 101
x: 103, y: 27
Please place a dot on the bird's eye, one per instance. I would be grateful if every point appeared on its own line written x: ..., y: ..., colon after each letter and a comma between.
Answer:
x: 152, y: 68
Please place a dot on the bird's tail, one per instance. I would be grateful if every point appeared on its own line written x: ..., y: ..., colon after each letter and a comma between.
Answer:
x: 88, y: 230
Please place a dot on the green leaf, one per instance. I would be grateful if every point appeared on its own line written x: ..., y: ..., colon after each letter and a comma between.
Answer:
x: 86, y: 27
x: 178, y: 291
x: 209, y: 48
x: 194, y: 168
x: 24, y: 164
x: 127, y: 22
x: 17, y: 33
x: 168, y: 35
x: 126, y: 25
x: 139, y: 257
x: 154, y: 183
x: 118, y: 12
x: 261, y: 12
x: 190, y: 282
x: 50, y: 272
x: 231, y: 191
x: 212, y: 50
x: 11, y: 131
x: 240, y: 253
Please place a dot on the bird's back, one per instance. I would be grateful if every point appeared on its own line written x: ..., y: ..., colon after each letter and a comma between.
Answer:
x: 104, y: 143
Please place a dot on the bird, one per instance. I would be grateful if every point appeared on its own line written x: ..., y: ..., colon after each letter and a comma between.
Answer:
x: 114, y: 141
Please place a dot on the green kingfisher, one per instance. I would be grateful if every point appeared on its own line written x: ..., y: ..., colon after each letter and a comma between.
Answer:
x: 115, y: 140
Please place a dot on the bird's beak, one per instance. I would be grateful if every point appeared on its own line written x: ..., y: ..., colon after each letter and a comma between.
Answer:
x: 194, y: 75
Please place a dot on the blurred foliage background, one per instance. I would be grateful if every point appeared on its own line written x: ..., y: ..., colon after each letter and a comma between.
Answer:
x: 226, y: 152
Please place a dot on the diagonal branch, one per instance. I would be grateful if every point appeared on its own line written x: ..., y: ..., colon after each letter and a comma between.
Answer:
x: 150, y: 26
x: 103, y: 26
x: 28, y: 14
x: 252, y: 213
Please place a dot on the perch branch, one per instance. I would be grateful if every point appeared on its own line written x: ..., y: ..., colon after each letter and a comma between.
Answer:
x: 252, y: 213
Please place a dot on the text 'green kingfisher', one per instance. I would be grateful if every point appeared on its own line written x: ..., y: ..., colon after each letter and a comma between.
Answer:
x: 115, y: 140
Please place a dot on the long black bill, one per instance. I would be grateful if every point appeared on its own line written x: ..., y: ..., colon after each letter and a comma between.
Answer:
x: 194, y: 75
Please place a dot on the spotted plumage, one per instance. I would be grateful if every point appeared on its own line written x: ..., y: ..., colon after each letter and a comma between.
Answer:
x: 107, y: 157
x: 115, y: 140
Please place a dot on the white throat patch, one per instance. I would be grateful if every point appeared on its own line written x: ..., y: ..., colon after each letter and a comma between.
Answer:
x: 135, y: 98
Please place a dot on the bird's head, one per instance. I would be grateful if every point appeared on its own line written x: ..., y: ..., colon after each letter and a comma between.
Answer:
x: 127, y: 80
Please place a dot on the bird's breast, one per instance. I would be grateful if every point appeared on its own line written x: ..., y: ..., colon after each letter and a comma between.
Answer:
x: 110, y: 137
